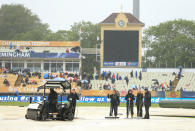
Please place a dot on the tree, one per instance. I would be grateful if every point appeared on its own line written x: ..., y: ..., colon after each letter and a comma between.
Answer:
x: 86, y: 32
x: 89, y: 63
x: 61, y: 35
x: 37, y: 34
x: 20, y: 21
x: 170, y: 44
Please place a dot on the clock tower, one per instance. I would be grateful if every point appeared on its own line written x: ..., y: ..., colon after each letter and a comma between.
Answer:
x: 121, y: 35
x: 121, y: 21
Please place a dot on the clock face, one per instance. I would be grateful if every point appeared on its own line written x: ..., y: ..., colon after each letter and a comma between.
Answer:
x: 121, y: 23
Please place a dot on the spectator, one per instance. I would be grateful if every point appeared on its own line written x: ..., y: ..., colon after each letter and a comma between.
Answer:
x: 127, y: 80
x: 113, y: 76
x: 136, y: 74
x: 6, y: 82
x: 109, y: 87
x: 120, y: 78
x: 109, y: 74
x: 131, y: 73
x: 170, y: 85
x: 113, y: 80
x: 67, y: 50
x: 104, y: 75
x: 27, y: 80
x: 179, y: 76
x: 51, y: 76
x: 39, y: 75
x: 22, y: 81
x: 29, y: 74
x: 105, y: 87
x: 91, y: 77
x: 117, y: 77
x: 96, y: 76
x: 140, y: 75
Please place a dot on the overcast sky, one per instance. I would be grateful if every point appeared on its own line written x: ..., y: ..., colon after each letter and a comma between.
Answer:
x: 61, y: 14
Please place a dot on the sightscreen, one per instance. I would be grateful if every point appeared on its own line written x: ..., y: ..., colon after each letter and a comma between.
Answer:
x: 121, y: 47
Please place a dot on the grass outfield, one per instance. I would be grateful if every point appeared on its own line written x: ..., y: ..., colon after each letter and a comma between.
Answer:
x: 78, y: 104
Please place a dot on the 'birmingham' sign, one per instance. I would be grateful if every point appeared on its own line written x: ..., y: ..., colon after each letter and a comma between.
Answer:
x: 15, y: 54
x: 37, y: 55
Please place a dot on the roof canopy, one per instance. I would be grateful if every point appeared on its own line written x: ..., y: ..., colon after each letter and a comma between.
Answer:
x: 131, y: 19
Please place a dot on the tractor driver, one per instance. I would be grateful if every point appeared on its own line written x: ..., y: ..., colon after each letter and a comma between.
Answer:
x: 72, y: 98
x: 52, y: 99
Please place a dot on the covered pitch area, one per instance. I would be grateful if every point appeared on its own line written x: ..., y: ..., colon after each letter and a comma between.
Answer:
x: 92, y: 119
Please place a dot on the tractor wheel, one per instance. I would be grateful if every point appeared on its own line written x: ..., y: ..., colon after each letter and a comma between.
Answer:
x: 43, y: 116
x: 26, y: 116
x: 70, y: 116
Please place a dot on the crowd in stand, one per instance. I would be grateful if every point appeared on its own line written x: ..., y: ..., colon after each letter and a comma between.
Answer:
x: 69, y: 76
x: 109, y: 76
x: 85, y: 83
x: 133, y: 74
x: 113, y: 77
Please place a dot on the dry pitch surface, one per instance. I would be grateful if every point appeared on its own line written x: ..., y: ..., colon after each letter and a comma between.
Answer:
x: 93, y: 119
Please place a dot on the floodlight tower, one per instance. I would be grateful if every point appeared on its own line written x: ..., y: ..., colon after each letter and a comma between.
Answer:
x: 136, y: 9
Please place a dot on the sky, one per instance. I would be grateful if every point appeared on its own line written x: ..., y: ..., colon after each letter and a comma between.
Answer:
x: 61, y: 14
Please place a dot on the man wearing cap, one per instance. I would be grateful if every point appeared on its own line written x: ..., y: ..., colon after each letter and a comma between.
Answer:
x: 129, y: 98
x: 147, y: 103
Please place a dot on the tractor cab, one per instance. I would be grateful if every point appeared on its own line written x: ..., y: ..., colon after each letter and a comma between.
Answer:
x: 51, y: 108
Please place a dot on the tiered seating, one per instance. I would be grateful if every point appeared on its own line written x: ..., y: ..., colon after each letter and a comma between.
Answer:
x: 29, y: 88
x: 10, y: 77
x: 147, y: 80
x: 187, y: 82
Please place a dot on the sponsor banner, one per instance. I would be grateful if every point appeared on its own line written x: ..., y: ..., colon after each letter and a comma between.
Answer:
x: 20, y: 98
x: 27, y: 98
x: 91, y: 99
x: 83, y: 99
x: 41, y: 43
x: 187, y: 94
x: 38, y: 55
x: 132, y: 63
x: 160, y: 94
x: 109, y: 63
x: 120, y: 63
x: 170, y: 94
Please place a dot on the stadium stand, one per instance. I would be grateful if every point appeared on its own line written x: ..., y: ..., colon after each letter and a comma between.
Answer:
x: 154, y: 81
x: 187, y: 82
x: 17, y: 82
x: 149, y: 79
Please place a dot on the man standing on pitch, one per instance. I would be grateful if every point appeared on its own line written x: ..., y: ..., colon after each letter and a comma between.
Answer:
x: 139, y: 103
x: 72, y: 98
x: 115, y: 102
x: 129, y: 98
x: 147, y: 103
